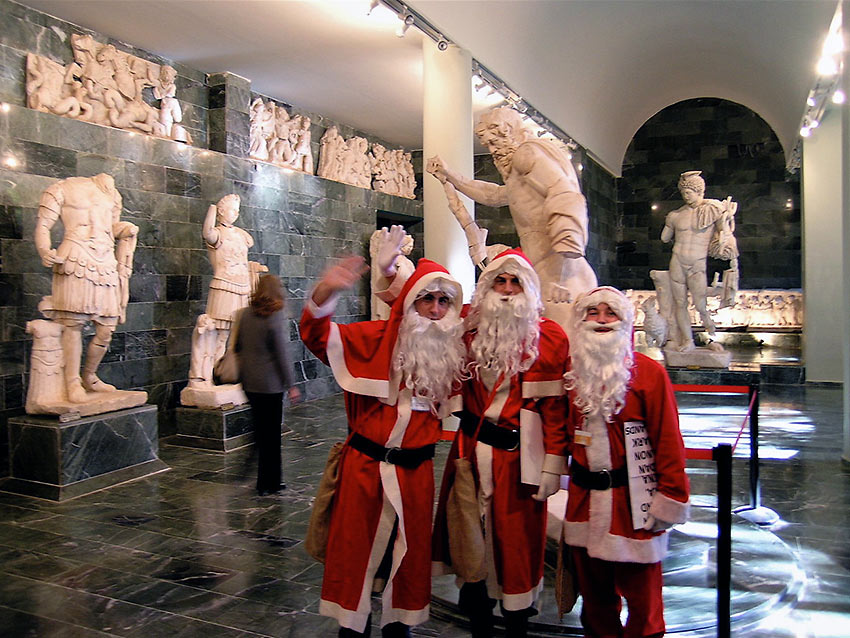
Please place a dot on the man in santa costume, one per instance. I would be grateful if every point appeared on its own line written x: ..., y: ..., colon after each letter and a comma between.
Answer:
x: 398, y: 377
x: 517, y: 360
x: 622, y: 404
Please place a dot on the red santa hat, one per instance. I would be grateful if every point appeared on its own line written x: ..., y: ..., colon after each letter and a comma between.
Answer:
x: 361, y: 357
x: 514, y: 262
x: 615, y: 299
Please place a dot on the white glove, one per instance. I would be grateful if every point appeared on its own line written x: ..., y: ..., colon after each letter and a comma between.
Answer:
x: 656, y: 524
x: 390, y: 248
x: 549, y: 484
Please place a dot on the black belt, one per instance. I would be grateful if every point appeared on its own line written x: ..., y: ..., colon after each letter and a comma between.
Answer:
x: 602, y: 480
x: 405, y: 457
x: 490, y: 433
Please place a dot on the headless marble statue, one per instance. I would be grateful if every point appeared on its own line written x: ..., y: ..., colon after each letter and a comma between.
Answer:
x: 91, y: 272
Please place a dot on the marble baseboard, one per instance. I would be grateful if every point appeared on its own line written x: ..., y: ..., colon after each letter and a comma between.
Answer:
x: 713, y: 376
x: 54, y: 460
x: 783, y: 375
x: 220, y: 430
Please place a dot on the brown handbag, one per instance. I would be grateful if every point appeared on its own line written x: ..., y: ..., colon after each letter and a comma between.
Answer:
x: 226, y: 369
x: 316, y: 540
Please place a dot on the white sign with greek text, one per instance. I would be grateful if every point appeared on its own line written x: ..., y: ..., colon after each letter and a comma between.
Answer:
x: 640, y: 462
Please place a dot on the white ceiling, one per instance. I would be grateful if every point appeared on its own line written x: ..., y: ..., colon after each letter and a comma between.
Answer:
x: 597, y: 68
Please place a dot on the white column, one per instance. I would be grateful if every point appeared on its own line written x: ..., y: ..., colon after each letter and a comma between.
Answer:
x: 824, y: 253
x: 447, y: 132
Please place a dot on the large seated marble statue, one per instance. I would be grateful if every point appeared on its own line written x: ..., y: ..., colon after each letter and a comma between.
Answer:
x: 91, y: 269
x: 234, y: 278
x: 700, y: 228
x: 544, y: 196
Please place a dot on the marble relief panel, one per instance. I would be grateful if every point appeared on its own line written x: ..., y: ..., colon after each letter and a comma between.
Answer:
x: 104, y: 85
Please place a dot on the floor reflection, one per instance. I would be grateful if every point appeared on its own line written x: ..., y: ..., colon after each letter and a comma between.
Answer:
x: 193, y: 552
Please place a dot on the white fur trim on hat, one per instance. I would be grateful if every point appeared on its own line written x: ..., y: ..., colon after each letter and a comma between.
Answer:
x: 513, y: 264
x: 617, y: 301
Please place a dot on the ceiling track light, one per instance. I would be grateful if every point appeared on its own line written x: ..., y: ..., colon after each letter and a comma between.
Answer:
x: 411, y: 18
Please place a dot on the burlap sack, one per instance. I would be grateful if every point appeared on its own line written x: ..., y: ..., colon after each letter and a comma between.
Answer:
x: 466, y: 537
x: 316, y: 541
x: 566, y: 581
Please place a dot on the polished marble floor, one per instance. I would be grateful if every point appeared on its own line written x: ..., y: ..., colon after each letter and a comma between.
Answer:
x: 194, y: 551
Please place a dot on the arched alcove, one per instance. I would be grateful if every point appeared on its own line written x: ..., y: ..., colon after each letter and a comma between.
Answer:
x: 739, y: 155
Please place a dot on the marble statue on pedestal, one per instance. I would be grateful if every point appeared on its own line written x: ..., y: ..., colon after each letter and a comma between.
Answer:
x: 234, y: 278
x: 542, y: 190
x: 404, y: 268
x: 91, y: 268
x: 700, y: 228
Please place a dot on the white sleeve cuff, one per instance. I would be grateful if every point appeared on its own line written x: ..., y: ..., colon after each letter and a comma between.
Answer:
x: 555, y: 464
x: 326, y: 309
x: 669, y: 510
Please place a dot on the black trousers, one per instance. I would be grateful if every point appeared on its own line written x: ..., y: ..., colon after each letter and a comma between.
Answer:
x: 267, y: 414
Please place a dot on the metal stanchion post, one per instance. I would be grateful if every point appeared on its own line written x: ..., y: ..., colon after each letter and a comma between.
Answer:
x: 723, y: 457
x: 754, y: 512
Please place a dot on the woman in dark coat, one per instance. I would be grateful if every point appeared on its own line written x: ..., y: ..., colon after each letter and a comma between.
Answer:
x: 261, y: 345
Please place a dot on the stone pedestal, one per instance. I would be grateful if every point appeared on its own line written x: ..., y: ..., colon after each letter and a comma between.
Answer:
x: 59, y: 460
x: 697, y: 358
x: 213, y: 397
x: 222, y: 430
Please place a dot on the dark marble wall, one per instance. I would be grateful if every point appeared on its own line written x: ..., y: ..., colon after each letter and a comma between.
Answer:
x: 599, y: 189
x: 298, y: 222
x: 739, y: 155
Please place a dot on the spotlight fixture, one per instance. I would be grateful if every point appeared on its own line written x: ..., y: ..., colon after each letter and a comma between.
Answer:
x: 407, y: 21
x: 838, y: 97
x: 442, y: 45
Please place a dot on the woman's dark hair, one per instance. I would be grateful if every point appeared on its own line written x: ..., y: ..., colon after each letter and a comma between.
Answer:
x: 268, y: 296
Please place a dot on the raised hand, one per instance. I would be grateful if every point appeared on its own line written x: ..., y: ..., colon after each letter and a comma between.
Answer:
x: 390, y: 242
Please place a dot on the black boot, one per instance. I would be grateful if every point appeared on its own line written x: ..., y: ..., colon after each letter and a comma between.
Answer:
x: 478, y: 607
x: 345, y: 632
x: 395, y: 630
x: 516, y: 622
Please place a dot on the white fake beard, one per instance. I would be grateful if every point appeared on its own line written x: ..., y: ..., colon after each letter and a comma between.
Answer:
x: 430, y: 355
x: 601, y: 368
x: 508, y: 334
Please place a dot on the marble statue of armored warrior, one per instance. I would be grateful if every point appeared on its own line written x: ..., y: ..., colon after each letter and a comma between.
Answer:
x: 701, y: 228
x: 91, y: 272
x: 234, y: 278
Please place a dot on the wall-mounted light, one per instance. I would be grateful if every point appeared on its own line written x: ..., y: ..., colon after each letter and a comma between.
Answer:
x: 11, y: 161
x: 838, y: 97
x: 4, y: 107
